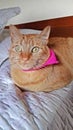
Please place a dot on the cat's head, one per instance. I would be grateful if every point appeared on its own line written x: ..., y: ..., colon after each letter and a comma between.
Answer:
x: 28, y: 51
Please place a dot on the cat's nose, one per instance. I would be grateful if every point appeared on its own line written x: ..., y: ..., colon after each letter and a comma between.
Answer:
x: 24, y: 56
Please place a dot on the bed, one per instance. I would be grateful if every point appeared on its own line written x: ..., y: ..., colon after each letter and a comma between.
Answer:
x: 34, y: 110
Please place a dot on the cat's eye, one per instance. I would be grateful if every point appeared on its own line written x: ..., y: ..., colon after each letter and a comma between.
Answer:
x: 18, y: 48
x: 35, y: 49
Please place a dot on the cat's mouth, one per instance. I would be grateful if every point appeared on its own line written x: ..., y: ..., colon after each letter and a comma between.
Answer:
x: 52, y: 59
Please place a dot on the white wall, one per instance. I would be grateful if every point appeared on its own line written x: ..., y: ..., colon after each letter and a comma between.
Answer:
x: 32, y: 10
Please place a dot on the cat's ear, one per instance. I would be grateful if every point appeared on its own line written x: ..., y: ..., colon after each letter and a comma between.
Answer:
x: 14, y: 33
x: 45, y: 32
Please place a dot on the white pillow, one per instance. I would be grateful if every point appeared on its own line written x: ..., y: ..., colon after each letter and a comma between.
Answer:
x: 6, y: 14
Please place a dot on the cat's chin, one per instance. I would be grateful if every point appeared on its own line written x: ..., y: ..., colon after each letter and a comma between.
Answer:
x: 32, y: 68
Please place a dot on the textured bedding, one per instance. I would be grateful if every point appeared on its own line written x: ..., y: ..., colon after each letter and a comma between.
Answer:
x: 28, y: 110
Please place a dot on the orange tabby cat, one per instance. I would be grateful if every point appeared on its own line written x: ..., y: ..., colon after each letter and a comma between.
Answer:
x: 28, y: 55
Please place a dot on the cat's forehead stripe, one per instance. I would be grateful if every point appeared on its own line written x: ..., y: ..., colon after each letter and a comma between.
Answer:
x: 31, y: 39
